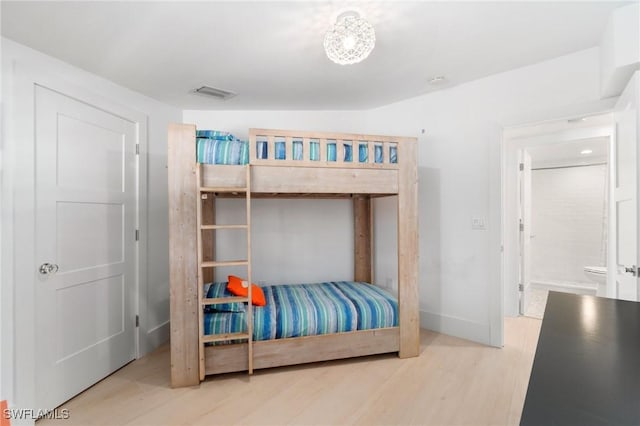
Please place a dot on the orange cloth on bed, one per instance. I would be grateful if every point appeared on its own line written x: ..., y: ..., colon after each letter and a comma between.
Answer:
x: 257, y: 295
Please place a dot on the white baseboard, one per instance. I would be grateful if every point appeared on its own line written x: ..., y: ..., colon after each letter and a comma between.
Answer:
x: 156, y: 337
x: 566, y: 287
x: 456, y: 327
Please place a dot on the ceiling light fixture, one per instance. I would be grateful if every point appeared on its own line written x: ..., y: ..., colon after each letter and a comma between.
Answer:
x: 350, y: 40
x: 586, y: 151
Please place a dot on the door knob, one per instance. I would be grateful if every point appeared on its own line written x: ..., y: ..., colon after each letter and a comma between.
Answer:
x: 48, y: 268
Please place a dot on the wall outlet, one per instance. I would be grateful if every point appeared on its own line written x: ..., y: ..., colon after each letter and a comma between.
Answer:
x: 478, y: 223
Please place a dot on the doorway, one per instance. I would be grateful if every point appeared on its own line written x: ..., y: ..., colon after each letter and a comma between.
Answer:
x: 556, y: 210
x: 565, y: 204
x: 71, y: 285
x: 85, y: 226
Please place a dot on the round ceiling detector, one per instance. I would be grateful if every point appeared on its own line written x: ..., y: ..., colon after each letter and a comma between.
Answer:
x: 438, y: 79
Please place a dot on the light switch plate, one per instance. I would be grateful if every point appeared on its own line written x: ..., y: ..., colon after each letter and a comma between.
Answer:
x: 477, y: 223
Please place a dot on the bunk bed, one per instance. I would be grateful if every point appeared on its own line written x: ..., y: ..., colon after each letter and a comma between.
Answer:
x: 283, y: 163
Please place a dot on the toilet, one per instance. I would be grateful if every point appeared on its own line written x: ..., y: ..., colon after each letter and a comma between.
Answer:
x: 597, y: 274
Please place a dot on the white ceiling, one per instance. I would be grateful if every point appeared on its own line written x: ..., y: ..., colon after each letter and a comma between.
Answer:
x: 569, y: 153
x: 271, y: 55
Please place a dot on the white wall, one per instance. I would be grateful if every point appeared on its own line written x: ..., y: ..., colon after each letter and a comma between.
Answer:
x: 239, y: 122
x: 3, y: 334
x: 21, y: 64
x: 156, y: 318
x: 460, y: 178
x: 294, y: 241
x: 569, y: 225
x: 620, y: 49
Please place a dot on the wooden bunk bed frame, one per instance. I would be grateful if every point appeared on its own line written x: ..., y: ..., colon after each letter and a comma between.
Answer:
x: 288, y: 178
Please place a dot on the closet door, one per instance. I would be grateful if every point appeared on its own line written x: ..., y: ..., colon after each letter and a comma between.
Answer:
x: 85, y: 245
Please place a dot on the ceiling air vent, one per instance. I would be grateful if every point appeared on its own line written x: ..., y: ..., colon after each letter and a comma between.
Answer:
x: 213, y: 92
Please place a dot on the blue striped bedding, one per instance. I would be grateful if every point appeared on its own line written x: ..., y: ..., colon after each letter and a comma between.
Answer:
x: 215, y: 134
x: 216, y: 151
x: 216, y: 147
x: 305, y: 310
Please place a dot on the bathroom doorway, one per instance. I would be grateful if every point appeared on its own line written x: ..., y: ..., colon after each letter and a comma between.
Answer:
x: 556, y: 210
x: 620, y: 231
x: 565, y: 200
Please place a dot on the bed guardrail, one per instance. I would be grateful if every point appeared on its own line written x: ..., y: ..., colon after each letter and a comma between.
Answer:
x: 318, y: 149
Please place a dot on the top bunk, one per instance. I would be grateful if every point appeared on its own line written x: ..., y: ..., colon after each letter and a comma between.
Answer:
x: 300, y: 163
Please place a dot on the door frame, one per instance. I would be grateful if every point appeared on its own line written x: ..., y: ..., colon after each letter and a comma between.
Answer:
x: 515, y: 139
x: 18, y: 221
x: 613, y: 273
x: 524, y: 189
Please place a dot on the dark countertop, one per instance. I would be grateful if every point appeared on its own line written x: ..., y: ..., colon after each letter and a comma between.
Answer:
x: 586, y: 369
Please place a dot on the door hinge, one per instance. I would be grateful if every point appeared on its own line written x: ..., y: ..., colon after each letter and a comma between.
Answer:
x: 521, y: 287
x: 633, y: 270
x: 137, y: 149
x: 521, y: 227
x: 137, y: 320
x: 521, y: 166
x: 137, y: 235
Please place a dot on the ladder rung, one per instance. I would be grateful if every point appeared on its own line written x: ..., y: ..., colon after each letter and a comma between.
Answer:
x: 224, y: 227
x: 222, y: 189
x: 221, y: 300
x: 208, y: 338
x: 224, y: 263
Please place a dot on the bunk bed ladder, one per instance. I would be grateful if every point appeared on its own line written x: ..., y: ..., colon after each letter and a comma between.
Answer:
x: 203, y: 264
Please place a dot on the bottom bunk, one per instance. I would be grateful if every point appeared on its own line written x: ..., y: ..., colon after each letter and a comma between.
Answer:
x: 303, y: 323
x: 301, y: 350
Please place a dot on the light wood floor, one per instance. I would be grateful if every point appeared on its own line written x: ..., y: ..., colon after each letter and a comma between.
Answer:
x: 453, y: 382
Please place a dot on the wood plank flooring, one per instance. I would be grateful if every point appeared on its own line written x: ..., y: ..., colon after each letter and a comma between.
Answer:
x: 453, y: 382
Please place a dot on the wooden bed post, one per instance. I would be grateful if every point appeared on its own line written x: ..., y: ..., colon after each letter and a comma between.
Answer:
x: 209, y: 236
x: 363, y: 238
x: 408, y: 291
x: 184, y: 303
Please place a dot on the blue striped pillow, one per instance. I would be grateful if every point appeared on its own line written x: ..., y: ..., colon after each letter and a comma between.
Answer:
x: 213, y: 151
x: 214, y: 134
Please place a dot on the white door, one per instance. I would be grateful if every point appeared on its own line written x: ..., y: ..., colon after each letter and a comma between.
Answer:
x: 524, y: 189
x: 85, y: 245
x: 626, y: 191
